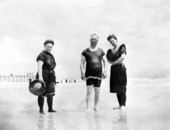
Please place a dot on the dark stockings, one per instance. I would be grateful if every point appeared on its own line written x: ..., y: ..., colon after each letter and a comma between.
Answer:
x: 41, y: 104
x: 121, y: 98
x: 50, y: 104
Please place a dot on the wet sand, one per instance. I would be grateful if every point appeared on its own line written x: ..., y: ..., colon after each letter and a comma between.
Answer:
x: 148, y: 108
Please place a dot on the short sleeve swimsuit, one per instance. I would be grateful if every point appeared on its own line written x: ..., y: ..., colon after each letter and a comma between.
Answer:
x: 48, y: 72
x: 93, y: 63
x: 118, y: 76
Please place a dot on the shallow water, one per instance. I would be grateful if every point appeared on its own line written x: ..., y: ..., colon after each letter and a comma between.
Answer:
x: 147, y: 108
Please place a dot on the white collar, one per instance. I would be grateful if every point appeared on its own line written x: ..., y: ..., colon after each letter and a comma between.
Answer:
x: 95, y: 49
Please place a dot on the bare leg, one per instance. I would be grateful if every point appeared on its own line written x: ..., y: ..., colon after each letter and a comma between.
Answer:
x: 88, y: 97
x: 96, y: 98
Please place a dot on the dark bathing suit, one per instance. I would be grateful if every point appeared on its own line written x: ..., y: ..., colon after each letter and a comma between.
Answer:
x: 93, y: 66
x: 118, y: 76
x: 48, y: 72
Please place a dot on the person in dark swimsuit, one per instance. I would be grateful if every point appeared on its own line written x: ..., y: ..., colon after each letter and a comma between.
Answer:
x: 46, y: 73
x: 118, y: 76
x: 93, y: 69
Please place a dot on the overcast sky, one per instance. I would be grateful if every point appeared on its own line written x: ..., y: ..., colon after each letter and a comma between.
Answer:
x: 143, y: 25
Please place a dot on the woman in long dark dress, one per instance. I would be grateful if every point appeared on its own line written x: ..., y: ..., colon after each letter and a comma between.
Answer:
x: 46, y: 73
x: 118, y: 76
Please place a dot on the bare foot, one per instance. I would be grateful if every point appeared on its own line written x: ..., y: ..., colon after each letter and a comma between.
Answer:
x: 118, y: 107
x: 123, y: 108
x: 88, y: 110
x: 96, y: 109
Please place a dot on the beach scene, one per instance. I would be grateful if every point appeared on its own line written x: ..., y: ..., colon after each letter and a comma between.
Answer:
x: 143, y: 26
x: 147, y: 107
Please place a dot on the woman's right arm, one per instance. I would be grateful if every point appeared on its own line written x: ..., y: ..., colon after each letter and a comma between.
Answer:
x: 123, y: 53
x: 119, y: 61
x: 40, y: 64
x: 109, y: 61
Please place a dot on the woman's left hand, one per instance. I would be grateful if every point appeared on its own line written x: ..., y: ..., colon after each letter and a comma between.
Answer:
x: 104, y: 75
x: 113, y: 63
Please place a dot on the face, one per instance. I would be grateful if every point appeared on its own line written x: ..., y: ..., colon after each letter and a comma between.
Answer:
x: 48, y: 47
x: 94, y: 40
x: 113, y: 42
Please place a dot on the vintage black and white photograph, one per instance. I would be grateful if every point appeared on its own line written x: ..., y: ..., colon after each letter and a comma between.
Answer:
x: 84, y: 65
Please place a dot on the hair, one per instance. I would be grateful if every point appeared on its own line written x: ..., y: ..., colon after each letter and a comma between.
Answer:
x: 48, y: 41
x: 94, y: 35
x: 111, y: 36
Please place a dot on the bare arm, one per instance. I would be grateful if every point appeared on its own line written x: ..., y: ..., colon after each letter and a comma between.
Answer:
x: 104, y: 68
x: 40, y: 64
x: 83, y: 67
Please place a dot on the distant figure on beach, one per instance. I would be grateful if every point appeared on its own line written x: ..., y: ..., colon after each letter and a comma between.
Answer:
x: 46, y: 73
x: 93, y: 69
x: 118, y: 76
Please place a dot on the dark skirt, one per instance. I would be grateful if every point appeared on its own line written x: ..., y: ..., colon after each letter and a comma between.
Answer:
x: 118, y: 78
x: 50, y: 82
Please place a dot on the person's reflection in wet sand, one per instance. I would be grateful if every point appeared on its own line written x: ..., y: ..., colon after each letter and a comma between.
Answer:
x: 98, y: 121
x: 50, y: 122
x: 41, y: 122
x: 46, y: 124
x: 121, y: 122
x: 90, y: 122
